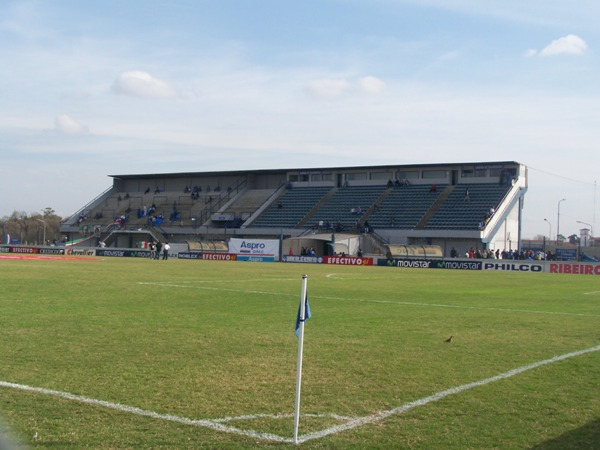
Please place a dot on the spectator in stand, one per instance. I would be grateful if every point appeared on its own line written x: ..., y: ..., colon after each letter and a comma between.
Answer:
x: 433, y: 188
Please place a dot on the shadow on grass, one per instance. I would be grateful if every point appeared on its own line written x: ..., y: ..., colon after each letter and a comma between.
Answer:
x: 586, y: 437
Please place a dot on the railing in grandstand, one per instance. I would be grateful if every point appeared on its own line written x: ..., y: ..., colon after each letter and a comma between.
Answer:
x: 73, y: 218
x: 223, y: 197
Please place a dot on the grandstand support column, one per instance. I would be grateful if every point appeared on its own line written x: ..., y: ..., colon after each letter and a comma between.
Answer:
x: 281, y: 244
x: 520, y: 224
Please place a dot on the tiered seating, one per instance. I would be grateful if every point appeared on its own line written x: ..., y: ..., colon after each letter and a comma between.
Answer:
x: 347, y: 206
x: 467, y: 213
x: 131, y: 204
x: 404, y: 207
x: 293, y: 205
x: 249, y: 202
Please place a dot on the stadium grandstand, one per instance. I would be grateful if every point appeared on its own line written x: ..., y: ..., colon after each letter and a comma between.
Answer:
x: 458, y: 206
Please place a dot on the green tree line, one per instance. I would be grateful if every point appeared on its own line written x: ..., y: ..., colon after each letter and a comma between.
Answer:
x: 32, y: 229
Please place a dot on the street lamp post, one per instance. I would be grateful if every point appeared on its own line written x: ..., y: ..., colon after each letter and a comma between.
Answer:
x: 558, y: 220
x: 549, y: 229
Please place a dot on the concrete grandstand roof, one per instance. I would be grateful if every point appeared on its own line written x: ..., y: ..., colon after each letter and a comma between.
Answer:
x: 308, y: 169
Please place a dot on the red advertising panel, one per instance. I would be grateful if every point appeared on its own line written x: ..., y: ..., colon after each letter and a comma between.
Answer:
x: 348, y: 260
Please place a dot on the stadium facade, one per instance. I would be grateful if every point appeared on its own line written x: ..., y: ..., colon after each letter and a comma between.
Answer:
x: 458, y: 206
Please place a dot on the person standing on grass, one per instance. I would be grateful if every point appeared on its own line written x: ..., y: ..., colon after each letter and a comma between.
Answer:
x: 158, y: 248
x: 166, y: 249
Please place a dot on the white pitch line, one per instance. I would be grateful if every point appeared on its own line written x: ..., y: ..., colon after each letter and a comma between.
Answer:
x: 216, y: 424
x: 438, y: 396
x: 208, y: 288
x: 484, y: 308
x: 391, y: 302
x: 481, y: 308
x: 336, y: 276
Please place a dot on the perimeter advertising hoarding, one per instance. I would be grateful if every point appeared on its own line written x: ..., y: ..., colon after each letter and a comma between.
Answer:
x: 123, y: 253
x: 348, y: 260
x: 208, y: 256
x: 431, y: 264
x: 215, y: 256
x: 499, y: 265
x: 189, y: 255
x: 574, y: 268
x: 339, y: 260
x: 256, y: 250
x: 26, y: 250
x: 81, y: 252
x: 303, y: 259
x: 507, y: 265
x: 53, y: 251
x: 33, y: 250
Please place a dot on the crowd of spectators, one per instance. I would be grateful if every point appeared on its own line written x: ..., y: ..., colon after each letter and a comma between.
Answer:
x: 524, y: 255
x: 397, y: 183
x: 307, y: 251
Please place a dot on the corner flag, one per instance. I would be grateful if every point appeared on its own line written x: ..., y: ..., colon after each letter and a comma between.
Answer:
x: 299, y: 318
x: 303, y: 315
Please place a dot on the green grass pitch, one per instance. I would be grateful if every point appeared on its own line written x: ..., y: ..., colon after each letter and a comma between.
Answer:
x: 203, y: 354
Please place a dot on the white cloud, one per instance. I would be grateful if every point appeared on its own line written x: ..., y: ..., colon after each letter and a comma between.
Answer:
x: 328, y: 88
x: 566, y: 45
x: 331, y: 88
x: 142, y: 84
x: 66, y: 125
x: 531, y: 53
x: 371, y: 85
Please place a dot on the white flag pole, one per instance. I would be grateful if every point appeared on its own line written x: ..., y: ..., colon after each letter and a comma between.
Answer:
x: 300, y: 348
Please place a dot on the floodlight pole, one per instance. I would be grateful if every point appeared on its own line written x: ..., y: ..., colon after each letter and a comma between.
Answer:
x: 558, y: 221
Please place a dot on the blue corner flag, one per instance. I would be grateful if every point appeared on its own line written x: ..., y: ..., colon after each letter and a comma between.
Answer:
x: 306, y: 315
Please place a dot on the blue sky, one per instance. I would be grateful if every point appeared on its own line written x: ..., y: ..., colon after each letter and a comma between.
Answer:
x: 91, y: 89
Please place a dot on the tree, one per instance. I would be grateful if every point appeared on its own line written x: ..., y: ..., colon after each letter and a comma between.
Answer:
x: 573, y: 239
x: 31, y: 229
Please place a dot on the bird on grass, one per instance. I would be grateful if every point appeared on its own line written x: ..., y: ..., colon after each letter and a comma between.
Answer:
x: 449, y: 339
